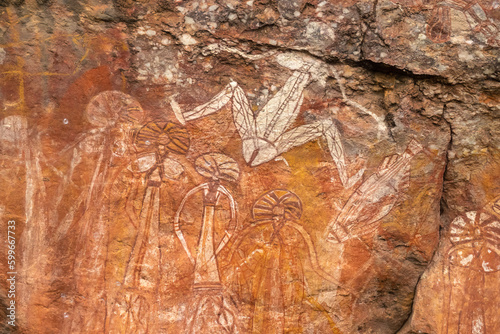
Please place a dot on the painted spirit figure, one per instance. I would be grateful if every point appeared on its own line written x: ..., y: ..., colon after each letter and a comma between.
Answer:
x: 103, y: 151
x: 209, y: 311
x: 473, y: 258
x: 20, y: 155
x: 269, y: 258
x: 135, y: 308
x: 267, y: 134
x: 374, y: 198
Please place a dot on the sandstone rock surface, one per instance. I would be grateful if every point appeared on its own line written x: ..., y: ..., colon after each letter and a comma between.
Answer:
x: 250, y: 166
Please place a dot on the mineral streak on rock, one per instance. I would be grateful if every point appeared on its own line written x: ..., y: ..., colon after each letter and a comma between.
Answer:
x: 240, y: 166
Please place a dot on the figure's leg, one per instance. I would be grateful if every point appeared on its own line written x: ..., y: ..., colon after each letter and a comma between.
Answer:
x: 305, y: 133
x: 299, y: 136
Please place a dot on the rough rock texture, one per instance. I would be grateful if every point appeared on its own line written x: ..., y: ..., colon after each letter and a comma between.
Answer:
x: 250, y: 167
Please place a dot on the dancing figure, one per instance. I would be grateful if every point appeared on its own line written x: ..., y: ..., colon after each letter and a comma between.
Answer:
x: 268, y: 133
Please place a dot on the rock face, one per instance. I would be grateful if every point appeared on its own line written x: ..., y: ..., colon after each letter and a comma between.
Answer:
x: 250, y: 167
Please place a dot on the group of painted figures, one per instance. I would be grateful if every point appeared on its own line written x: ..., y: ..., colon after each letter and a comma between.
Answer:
x: 245, y: 276
x: 257, y: 265
x: 132, y: 173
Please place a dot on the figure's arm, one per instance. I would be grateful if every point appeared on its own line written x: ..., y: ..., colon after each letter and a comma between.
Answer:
x: 131, y: 194
x: 212, y: 106
x: 247, y: 251
x: 177, y: 228
x: 251, y: 261
x: 313, y: 257
x: 382, y: 128
x: 234, y: 222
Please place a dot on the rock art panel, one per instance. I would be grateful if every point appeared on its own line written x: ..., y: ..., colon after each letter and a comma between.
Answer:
x: 114, y: 115
x: 480, y: 17
x: 250, y: 167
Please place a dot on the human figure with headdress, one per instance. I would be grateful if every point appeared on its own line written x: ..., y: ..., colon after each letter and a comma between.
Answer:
x: 104, y: 151
x: 471, y: 264
x: 209, y: 309
x: 135, y: 303
x: 269, y: 257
